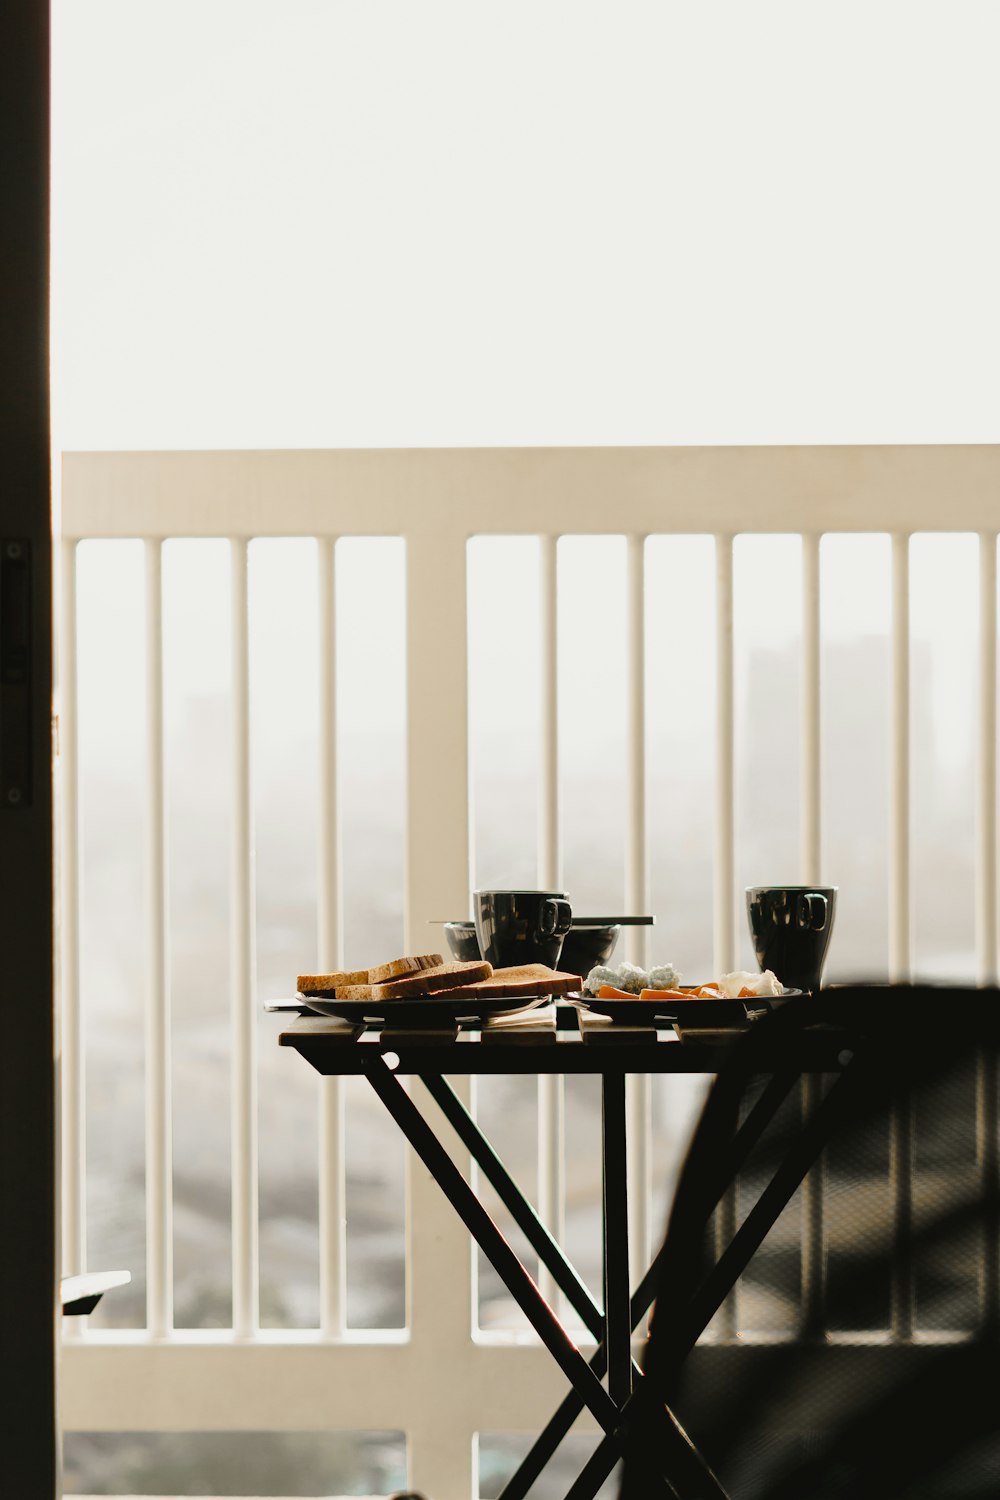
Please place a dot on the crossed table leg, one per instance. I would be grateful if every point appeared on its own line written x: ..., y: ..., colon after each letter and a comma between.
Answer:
x: 672, y: 1461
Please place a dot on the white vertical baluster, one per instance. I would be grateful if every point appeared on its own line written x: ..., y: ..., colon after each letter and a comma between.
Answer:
x: 159, y: 1175
x: 986, y: 926
x: 899, y: 789
x: 73, y: 1106
x: 439, y: 1255
x: 551, y: 1169
x: 243, y: 969
x: 901, y: 1121
x: 725, y: 865
x: 549, y: 849
x: 812, y: 1249
x: 636, y: 903
x: 551, y: 1089
x: 332, y: 1145
x: 812, y: 861
x: 725, y: 838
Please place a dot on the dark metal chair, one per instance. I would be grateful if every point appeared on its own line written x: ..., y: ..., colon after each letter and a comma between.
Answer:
x: 923, y: 1420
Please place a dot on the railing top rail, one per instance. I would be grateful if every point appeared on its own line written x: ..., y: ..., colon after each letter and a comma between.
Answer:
x: 551, y: 491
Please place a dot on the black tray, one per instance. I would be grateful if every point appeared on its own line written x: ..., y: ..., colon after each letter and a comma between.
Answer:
x: 420, y: 1010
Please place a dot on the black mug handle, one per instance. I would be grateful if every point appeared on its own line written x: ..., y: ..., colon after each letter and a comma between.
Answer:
x: 555, y: 918
x: 808, y: 905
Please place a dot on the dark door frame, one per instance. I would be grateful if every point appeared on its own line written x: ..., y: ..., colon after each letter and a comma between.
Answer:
x: 29, y: 1456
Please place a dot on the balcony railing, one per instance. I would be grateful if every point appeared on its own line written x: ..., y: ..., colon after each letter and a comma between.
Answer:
x: 248, y: 1378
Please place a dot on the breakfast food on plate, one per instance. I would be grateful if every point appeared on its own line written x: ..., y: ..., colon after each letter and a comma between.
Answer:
x: 696, y: 992
x: 741, y: 985
x: 630, y: 979
x: 529, y: 981
x: 438, y: 978
x: 327, y: 984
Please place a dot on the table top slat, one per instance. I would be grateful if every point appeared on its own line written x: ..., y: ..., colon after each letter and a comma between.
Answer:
x: 409, y: 1036
x: 598, y: 1031
x: 518, y: 1036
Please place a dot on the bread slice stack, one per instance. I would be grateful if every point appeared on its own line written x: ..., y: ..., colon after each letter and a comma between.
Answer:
x: 328, y: 984
x: 427, y: 976
x: 440, y: 978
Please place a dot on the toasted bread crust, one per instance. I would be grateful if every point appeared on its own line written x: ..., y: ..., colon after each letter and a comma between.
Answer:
x: 441, y: 977
x: 382, y: 973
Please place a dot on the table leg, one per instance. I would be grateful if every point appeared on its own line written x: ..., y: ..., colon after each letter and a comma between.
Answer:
x: 532, y: 1464
x: 510, y: 1195
x: 486, y: 1234
x: 596, y: 1470
x: 658, y: 1446
x: 749, y: 1133
x: 491, y: 1241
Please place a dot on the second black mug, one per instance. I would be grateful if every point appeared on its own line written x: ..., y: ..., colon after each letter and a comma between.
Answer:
x: 521, y: 927
x: 791, y: 926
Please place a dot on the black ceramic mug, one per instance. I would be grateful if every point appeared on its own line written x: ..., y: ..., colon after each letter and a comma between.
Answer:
x: 791, y: 926
x: 521, y: 927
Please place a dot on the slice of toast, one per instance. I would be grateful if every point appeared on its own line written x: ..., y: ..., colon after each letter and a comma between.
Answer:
x: 328, y: 984
x: 526, y: 981
x: 441, y: 977
x: 399, y: 967
x: 325, y: 984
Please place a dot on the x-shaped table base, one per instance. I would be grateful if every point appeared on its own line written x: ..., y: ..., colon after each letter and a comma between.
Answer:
x: 667, y: 1456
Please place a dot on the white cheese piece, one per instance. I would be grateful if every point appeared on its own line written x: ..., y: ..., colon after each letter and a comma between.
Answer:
x: 761, y: 984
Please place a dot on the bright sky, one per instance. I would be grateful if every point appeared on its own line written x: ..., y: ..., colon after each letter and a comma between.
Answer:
x: 317, y: 222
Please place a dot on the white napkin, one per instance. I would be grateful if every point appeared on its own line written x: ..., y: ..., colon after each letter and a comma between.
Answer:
x: 542, y: 1015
